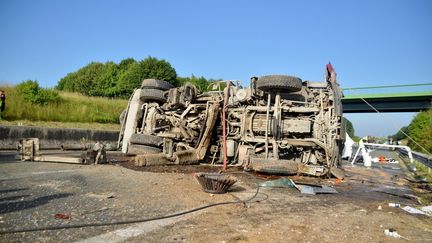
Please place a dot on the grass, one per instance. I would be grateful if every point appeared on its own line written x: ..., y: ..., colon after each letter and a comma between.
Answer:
x: 74, y: 110
x: 54, y: 124
x: 422, y: 172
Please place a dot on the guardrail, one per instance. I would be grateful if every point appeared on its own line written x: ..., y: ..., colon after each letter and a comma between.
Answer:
x: 422, y: 158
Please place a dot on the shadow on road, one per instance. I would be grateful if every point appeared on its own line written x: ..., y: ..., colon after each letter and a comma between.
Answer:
x: 13, y: 198
x: 9, y: 207
x: 13, y: 190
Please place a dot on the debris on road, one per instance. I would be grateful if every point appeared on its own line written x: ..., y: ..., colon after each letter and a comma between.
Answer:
x: 62, y: 216
x: 394, y: 205
x: 282, y: 182
x: 29, y: 149
x: 412, y: 210
x: 101, y: 196
x: 427, y: 209
x: 215, y: 183
x: 314, y: 189
x: 338, y: 173
x: 394, y: 191
x: 392, y: 233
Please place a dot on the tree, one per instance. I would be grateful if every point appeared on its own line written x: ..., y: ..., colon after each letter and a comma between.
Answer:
x: 200, y: 82
x: 105, y: 84
x: 129, y: 79
x: 400, y: 134
x: 116, y: 80
x: 83, y: 80
x: 420, y: 130
x: 349, y: 128
x: 30, y: 91
x: 158, y: 69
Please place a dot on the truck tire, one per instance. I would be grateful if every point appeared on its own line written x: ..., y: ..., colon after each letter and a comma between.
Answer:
x: 134, y: 149
x: 153, y: 95
x: 279, y: 82
x: 145, y: 139
x: 156, y: 84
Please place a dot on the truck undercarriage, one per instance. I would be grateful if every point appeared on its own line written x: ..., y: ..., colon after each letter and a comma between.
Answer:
x: 279, y: 124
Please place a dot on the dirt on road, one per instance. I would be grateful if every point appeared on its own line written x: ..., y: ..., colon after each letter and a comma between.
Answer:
x: 33, y: 193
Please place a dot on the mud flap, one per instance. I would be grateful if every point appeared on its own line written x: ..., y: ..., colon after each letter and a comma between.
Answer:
x: 338, y: 173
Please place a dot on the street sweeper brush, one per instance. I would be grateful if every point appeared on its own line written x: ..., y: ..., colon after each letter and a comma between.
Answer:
x: 214, y: 182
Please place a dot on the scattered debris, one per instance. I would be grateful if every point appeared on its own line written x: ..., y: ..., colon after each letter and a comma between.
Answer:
x: 338, y: 173
x: 62, y: 216
x: 30, y: 151
x: 427, y: 209
x: 392, y: 233
x: 314, y: 189
x: 413, y: 210
x: 394, y: 205
x: 101, y: 196
x: 215, y: 183
x: 394, y: 191
x: 99, y: 149
x: 282, y: 182
x: 338, y: 181
x: 379, y: 207
x: 417, y: 180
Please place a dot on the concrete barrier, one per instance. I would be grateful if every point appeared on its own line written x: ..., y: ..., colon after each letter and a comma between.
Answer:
x: 51, y: 138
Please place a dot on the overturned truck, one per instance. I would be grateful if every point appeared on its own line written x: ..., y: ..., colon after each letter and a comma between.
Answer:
x: 279, y: 124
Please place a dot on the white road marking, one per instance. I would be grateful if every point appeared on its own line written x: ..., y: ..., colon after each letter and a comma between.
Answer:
x: 137, y: 229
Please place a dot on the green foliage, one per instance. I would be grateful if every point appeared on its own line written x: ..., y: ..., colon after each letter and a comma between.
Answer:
x: 116, y: 80
x: 420, y: 130
x: 82, y: 81
x: 201, y: 83
x: 349, y: 128
x: 158, y: 69
x: 30, y: 91
x: 400, y: 134
x: 71, y: 107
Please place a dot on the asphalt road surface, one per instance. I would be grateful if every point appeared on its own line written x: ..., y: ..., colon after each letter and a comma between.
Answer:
x: 35, y: 195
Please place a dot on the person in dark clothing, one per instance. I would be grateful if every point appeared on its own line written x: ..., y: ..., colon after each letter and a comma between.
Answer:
x: 2, y: 102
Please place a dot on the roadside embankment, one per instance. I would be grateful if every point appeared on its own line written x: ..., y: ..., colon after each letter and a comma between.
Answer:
x: 51, y: 138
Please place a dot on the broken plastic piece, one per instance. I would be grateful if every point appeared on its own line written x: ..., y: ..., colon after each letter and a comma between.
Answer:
x: 413, y: 210
x: 320, y: 189
x: 392, y: 233
x: 427, y: 209
x: 282, y: 182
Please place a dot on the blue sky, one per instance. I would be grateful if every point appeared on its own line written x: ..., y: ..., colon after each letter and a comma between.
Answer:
x: 368, y: 42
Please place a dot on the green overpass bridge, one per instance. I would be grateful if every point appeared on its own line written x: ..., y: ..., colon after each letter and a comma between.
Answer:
x: 356, y: 102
